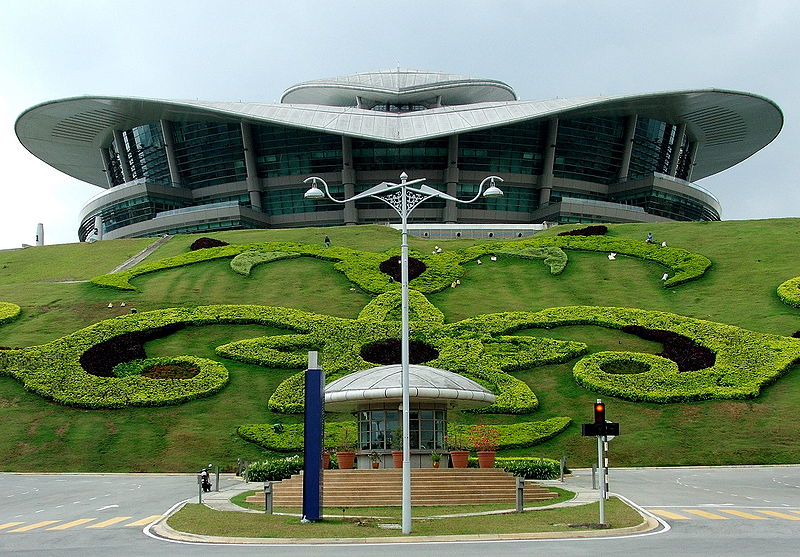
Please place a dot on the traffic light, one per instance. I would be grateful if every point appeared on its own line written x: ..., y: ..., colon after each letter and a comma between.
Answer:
x: 599, y: 413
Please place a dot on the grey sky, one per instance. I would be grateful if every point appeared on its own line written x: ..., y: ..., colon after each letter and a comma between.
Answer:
x: 252, y: 51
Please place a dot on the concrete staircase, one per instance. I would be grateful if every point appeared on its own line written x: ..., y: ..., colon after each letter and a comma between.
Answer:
x: 429, y: 486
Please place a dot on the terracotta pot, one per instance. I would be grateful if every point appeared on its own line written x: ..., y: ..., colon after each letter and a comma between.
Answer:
x: 460, y: 459
x: 486, y: 459
x: 326, y: 460
x: 376, y: 465
x: 397, y: 459
x: 346, y: 459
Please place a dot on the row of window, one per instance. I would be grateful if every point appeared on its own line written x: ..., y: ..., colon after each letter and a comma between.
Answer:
x: 379, y: 430
x: 210, y: 153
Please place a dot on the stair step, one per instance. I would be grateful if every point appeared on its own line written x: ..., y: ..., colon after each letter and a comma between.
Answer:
x: 383, y: 487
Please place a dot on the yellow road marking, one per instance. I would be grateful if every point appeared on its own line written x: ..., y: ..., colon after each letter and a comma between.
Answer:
x: 798, y: 512
x: 706, y: 514
x: 669, y: 514
x: 744, y: 514
x: 780, y: 515
x: 47, y: 523
x: 72, y: 524
x: 144, y: 521
x: 9, y: 525
x: 110, y: 521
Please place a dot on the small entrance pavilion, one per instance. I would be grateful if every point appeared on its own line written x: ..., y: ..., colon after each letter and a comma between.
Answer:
x: 375, y: 397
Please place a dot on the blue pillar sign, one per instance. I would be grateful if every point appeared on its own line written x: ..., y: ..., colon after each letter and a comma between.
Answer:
x: 313, y: 439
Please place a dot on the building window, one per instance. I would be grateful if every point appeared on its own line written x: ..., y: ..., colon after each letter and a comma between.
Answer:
x: 378, y: 426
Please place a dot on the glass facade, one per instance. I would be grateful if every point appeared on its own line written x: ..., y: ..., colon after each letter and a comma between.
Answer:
x: 128, y: 212
x: 515, y: 149
x: 283, y: 151
x: 291, y: 200
x: 515, y: 199
x: 378, y: 426
x: 147, y: 156
x: 430, y: 154
x: 670, y: 205
x: 589, y: 149
x: 209, y: 153
x: 652, y: 148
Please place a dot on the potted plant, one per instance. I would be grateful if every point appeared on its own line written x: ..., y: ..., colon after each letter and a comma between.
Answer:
x: 457, y: 444
x: 396, y: 443
x: 376, y: 459
x: 436, y: 459
x: 345, y: 454
x: 484, y: 440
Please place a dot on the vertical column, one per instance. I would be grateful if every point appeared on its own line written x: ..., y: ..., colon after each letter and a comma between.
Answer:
x: 313, y: 436
x: 676, y: 149
x: 691, y: 162
x: 169, y: 149
x: 253, y: 185
x: 549, y: 162
x: 451, y: 180
x: 349, y: 181
x: 122, y: 153
x: 627, y: 147
x: 107, y: 166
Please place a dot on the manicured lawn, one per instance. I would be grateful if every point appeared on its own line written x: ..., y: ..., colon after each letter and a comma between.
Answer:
x: 396, y: 512
x: 750, y: 259
x: 198, y: 519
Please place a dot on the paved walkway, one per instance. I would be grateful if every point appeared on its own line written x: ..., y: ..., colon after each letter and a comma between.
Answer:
x: 139, y: 257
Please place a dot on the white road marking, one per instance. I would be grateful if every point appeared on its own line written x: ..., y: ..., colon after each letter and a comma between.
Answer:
x: 108, y: 507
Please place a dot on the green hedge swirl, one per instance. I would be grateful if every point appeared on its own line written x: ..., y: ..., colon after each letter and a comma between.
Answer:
x: 789, y: 292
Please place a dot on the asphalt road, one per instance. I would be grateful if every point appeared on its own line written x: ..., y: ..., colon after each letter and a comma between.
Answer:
x: 707, y: 511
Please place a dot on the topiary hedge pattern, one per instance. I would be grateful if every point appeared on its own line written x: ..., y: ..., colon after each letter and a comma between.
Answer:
x: 244, y: 262
x: 440, y: 269
x: 8, y: 312
x: 290, y: 439
x: 789, y: 292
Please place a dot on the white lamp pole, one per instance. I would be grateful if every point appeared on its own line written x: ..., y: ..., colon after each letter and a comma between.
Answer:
x: 403, y: 198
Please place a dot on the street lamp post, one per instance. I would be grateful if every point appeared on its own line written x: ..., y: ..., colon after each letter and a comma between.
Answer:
x: 403, y: 198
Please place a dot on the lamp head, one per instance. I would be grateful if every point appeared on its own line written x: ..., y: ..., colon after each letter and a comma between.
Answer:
x: 492, y: 192
x: 314, y: 192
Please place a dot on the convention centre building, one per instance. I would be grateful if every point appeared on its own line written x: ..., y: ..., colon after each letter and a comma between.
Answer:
x: 167, y: 167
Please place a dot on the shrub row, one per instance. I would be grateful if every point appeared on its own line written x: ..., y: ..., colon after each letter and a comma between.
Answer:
x: 8, y: 312
x: 244, y: 262
x: 54, y: 370
x: 530, y: 468
x: 273, y: 469
x: 519, y: 435
x: 789, y: 292
x: 290, y: 439
x: 441, y: 269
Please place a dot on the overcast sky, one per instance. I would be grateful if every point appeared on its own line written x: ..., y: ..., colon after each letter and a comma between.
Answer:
x: 252, y: 51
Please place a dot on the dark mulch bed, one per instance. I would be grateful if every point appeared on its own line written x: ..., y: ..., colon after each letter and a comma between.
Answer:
x: 689, y: 355
x: 101, y: 358
x: 594, y: 230
x: 389, y: 352
x: 206, y: 242
x: 392, y: 267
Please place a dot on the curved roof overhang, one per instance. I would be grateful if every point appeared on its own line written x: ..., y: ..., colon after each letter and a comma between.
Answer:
x: 399, y: 86
x: 729, y: 126
x: 383, y: 384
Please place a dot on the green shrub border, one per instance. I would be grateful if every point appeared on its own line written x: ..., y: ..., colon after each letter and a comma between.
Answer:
x: 789, y: 292
x: 8, y: 312
x: 290, y: 439
x: 362, y: 268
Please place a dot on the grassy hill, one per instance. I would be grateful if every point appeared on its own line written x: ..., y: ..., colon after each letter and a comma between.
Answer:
x: 750, y: 259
